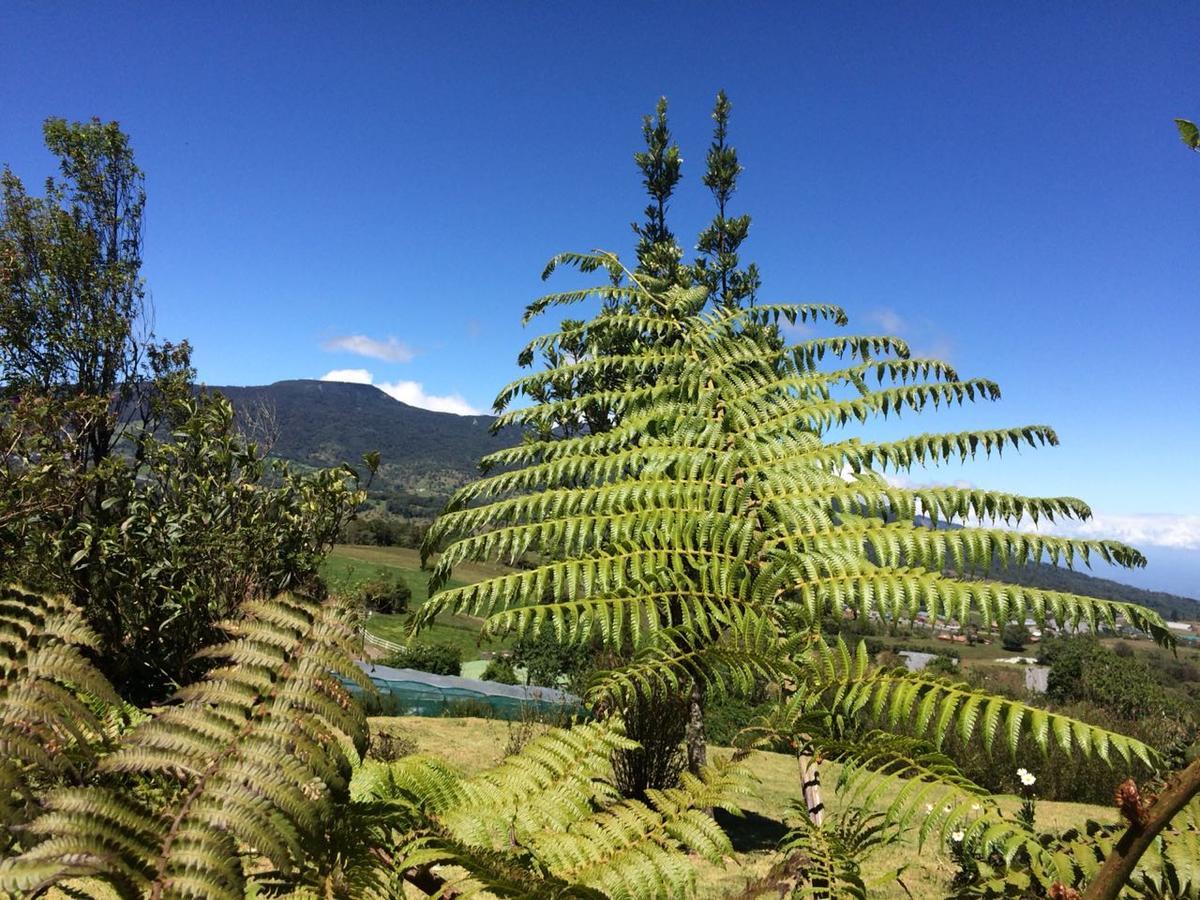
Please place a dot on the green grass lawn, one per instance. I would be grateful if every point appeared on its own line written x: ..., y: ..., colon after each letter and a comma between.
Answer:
x: 348, y: 566
x: 964, y: 651
x: 474, y: 744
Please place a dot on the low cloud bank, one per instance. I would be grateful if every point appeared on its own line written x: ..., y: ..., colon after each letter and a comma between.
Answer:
x: 410, y: 392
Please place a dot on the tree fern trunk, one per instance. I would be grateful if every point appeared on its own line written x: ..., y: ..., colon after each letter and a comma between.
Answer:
x: 810, y: 784
x: 697, y: 746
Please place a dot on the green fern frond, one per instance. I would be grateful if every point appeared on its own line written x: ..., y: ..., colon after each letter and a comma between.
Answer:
x: 631, y: 850
x: 712, y: 523
x: 548, y: 821
x: 557, y: 779
x: 254, y: 749
x: 49, y: 693
x: 830, y: 870
x: 933, y: 709
x: 925, y: 449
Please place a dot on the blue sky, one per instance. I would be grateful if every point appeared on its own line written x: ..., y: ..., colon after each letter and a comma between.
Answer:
x: 376, y: 187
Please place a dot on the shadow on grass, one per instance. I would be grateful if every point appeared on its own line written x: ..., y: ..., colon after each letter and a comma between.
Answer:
x: 750, y: 831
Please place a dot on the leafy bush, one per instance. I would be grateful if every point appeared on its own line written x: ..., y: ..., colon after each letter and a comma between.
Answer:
x: 385, y: 595
x: 437, y: 659
x: 1014, y: 636
x: 501, y: 671
x: 549, y: 661
x: 657, y: 722
x: 388, y: 743
x: 1084, y: 670
x: 724, y: 717
x: 383, y: 531
x: 942, y: 665
x: 148, y: 504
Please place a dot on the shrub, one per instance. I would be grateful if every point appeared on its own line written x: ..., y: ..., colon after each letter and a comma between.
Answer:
x: 658, y: 723
x: 501, y: 671
x: 942, y: 665
x: 437, y: 659
x: 388, y: 744
x: 724, y: 717
x: 548, y: 661
x: 385, y: 595
x: 1014, y: 637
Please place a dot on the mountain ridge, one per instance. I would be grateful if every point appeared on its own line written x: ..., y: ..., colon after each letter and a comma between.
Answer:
x: 322, y: 423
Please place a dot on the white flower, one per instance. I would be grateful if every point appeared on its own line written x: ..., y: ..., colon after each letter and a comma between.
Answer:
x: 928, y: 807
x: 957, y: 837
x: 1021, y: 773
x: 975, y: 807
x: 1028, y: 778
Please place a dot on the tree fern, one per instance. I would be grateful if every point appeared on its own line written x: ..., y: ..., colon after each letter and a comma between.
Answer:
x: 251, y: 758
x: 714, y: 520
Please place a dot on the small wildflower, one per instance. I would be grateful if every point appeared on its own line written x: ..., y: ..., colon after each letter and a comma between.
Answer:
x: 1028, y: 779
x: 975, y: 807
x: 957, y: 837
x: 928, y: 808
x: 1022, y: 772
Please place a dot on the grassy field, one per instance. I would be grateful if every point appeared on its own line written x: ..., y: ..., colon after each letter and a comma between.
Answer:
x: 348, y: 566
x: 474, y: 744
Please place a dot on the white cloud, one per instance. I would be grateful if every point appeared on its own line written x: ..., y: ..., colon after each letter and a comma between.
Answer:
x: 1139, y: 529
x: 889, y: 320
x: 1175, y: 530
x: 924, y: 339
x: 410, y: 392
x: 351, y: 376
x: 390, y: 350
x: 413, y: 393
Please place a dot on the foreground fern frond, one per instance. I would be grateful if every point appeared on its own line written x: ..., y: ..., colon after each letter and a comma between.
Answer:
x: 548, y: 822
x: 252, y: 758
x: 48, y: 727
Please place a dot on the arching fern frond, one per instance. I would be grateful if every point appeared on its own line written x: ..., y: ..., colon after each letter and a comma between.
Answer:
x: 548, y: 822
x: 255, y: 754
x: 842, y: 685
x: 48, y: 729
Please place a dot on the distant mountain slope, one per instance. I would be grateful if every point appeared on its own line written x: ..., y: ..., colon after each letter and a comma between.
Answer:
x: 1054, y: 578
x: 319, y: 423
x: 1075, y: 581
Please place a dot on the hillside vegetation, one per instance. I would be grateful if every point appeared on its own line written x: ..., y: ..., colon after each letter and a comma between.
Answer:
x: 323, y: 423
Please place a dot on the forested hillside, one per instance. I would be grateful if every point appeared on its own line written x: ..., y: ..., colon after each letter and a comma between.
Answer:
x: 1052, y: 578
x: 318, y: 423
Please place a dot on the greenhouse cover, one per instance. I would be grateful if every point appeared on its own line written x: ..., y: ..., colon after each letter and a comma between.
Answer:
x: 407, y: 692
